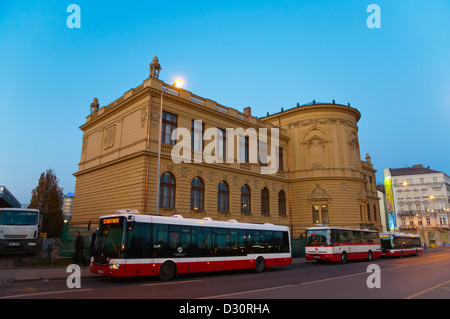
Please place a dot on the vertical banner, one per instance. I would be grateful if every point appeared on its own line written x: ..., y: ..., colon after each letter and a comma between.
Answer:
x: 390, y: 200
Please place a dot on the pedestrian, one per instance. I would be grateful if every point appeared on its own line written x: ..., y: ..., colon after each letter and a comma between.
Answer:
x: 79, y: 248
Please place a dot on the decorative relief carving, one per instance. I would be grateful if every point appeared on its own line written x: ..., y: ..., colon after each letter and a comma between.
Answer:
x: 323, y: 121
x: 317, y: 166
x: 316, y: 141
x: 143, y: 117
x: 84, y: 145
x: 109, y: 136
x: 319, y: 194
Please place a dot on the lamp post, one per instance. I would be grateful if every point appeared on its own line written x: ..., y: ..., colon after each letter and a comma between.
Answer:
x: 177, y: 83
x: 423, y: 232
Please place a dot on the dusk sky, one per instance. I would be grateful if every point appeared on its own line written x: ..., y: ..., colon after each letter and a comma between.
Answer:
x: 262, y: 54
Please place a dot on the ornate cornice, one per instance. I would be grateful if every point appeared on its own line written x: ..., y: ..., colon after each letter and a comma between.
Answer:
x: 312, y: 108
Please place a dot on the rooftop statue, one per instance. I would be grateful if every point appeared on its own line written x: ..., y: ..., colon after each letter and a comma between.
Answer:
x: 155, y: 67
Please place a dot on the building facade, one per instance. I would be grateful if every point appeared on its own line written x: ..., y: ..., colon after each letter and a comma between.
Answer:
x: 228, y: 171
x: 421, y: 201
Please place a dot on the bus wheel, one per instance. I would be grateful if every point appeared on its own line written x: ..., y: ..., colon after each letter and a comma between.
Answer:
x: 260, y: 264
x: 344, y: 258
x: 369, y: 256
x: 167, y: 270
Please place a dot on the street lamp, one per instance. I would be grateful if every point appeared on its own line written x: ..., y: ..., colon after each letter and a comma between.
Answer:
x: 177, y: 83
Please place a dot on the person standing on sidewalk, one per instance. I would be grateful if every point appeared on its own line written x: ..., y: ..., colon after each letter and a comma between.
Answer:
x: 79, y: 248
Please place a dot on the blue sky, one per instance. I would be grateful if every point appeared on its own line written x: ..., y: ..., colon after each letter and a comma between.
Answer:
x: 263, y: 54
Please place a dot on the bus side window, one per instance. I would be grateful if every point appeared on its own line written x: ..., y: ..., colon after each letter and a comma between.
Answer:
x: 201, y: 240
x: 357, y: 236
x: 160, y: 244
x: 335, y: 236
x: 179, y: 237
x: 221, y: 241
x: 139, y: 241
x: 343, y: 236
x: 237, y: 241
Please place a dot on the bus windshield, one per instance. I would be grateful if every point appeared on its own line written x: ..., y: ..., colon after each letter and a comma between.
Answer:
x: 10, y: 217
x: 318, y: 237
x: 109, y: 240
x: 386, y: 243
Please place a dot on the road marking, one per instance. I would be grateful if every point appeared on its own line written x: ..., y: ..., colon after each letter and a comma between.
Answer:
x: 44, y: 293
x: 170, y: 283
x: 427, y: 290
x: 282, y: 287
x: 293, y: 285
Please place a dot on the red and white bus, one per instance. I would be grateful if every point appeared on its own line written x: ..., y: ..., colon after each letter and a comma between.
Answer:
x: 129, y: 244
x: 399, y: 244
x: 341, y: 244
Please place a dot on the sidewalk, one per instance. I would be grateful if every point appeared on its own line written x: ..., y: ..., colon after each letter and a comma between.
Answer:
x: 36, y: 274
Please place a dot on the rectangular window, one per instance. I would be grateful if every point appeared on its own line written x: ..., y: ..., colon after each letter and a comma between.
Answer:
x: 315, y: 212
x: 280, y: 159
x: 197, y: 130
x: 169, y: 124
x: 243, y: 149
x: 262, y: 153
x: 221, y: 150
x: 324, y: 211
x: 320, y: 214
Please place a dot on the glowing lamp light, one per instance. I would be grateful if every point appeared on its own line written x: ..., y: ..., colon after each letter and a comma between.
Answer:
x: 178, y: 83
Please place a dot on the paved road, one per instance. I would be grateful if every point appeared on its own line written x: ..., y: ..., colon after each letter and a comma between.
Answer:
x: 425, y: 276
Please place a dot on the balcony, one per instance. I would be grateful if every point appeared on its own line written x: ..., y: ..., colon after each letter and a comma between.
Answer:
x: 407, y: 227
x: 408, y: 212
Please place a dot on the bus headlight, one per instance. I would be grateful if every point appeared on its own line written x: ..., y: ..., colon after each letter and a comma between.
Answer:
x: 114, y: 266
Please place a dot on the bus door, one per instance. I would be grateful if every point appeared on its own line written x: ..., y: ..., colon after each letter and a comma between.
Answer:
x: 337, y: 244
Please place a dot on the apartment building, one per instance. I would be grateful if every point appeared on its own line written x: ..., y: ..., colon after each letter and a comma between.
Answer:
x: 421, y: 201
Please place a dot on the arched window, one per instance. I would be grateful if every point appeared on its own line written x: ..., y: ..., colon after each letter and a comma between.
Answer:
x: 265, y: 201
x: 282, y: 203
x: 245, y: 199
x: 368, y: 213
x: 223, y: 196
x: 197, y: 194
x: 167, y: 191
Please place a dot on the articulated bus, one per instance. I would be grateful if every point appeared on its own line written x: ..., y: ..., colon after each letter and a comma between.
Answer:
x: 19, y: 230
x: 129, y: 244
x: 341, y: 244
x: 398, y: 244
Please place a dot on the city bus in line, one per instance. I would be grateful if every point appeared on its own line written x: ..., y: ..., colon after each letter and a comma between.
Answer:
x: 341, y: 244
x: 19, y: 230
x: 399, y: 244
x: 129, y: 244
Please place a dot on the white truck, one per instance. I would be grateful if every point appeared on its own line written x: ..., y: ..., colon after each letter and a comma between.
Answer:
x: 19, y: 230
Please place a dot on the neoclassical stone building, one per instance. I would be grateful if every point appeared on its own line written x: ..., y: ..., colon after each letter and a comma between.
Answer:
x: 320, y: 178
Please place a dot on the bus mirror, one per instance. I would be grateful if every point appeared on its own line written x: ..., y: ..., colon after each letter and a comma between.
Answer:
x: 131, y: 225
